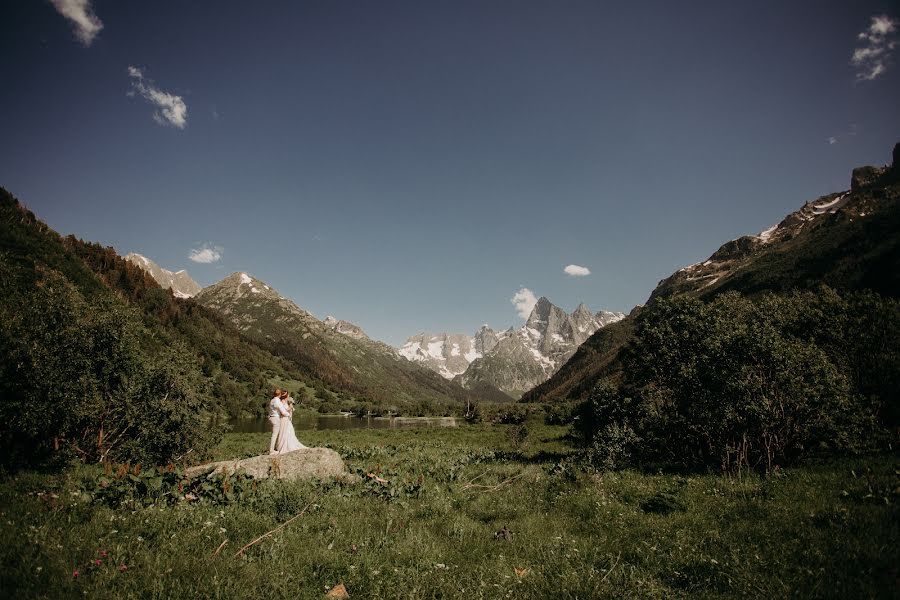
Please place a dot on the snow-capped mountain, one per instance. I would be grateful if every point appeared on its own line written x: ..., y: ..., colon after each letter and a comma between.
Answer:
x: 513, y: 360
x: 179, y: 282
x: 448, y: 354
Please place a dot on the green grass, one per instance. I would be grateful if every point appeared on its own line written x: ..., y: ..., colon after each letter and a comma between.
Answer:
x: 821, y: 530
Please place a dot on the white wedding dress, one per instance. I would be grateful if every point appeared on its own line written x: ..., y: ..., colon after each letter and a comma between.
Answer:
x: 287, y: 438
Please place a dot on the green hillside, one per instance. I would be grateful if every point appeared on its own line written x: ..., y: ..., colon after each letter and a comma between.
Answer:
x: 368, y: 371
x: 849, y: 241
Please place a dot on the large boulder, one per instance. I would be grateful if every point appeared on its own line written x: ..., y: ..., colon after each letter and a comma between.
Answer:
x: 305, y: 463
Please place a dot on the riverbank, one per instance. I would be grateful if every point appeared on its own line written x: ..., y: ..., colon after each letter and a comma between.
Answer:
x: 467, y: 512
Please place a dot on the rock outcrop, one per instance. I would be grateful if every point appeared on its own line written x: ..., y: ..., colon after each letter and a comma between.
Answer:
x: 305, y: 463
x: 179, y: 282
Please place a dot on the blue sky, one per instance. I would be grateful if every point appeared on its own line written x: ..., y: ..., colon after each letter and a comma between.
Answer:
x: 410, y: 166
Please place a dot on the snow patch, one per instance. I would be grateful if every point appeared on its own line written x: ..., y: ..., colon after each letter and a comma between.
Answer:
x: 455, y: 350
x: 436, y: 349
x: 689, y: 267
x: 246, y: 278
x: 832, y: 206
x: 766, y: 234
x: 412, y: 351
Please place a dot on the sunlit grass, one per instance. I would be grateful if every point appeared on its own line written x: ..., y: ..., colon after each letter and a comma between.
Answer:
x: 827, y: 529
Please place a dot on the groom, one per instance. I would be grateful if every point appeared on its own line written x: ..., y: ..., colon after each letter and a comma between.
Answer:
x: 277, y: 409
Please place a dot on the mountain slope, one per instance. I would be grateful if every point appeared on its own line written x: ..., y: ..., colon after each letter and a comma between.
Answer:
x: 239, y: 372
x: 848, y: 240
x: 340, y: 355
x: 180, y: 282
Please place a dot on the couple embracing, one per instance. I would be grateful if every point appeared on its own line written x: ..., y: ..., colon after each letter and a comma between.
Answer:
x: 281, y: 410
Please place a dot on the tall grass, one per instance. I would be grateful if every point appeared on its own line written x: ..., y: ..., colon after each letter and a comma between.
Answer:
x: 820, y: 530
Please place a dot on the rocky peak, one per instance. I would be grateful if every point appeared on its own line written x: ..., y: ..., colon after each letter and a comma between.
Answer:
x: 180, y: 282
x: 485, y: 339
x: 581, y: 312
x: 241, y: 284
x: 605, y: 317
x: 582, y: 322
x: 345, y: 327
x: 545, y: 317
x: 864, y: 176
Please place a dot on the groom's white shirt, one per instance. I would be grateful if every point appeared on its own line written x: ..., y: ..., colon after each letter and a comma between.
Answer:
x: 277, y: 409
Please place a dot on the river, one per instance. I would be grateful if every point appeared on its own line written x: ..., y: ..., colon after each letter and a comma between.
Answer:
x: 308, y: 421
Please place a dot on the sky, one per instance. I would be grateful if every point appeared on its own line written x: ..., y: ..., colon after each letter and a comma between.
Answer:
x: 433, y: 166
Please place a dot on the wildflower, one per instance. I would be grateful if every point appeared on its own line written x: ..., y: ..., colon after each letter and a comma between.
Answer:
x: 103, y: 553
x: 97, y: 562
x: 123, y: 568
x: 75, y: 573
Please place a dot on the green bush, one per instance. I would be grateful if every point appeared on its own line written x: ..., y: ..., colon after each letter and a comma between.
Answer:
x: 742, y: 384
x: 87, y: 379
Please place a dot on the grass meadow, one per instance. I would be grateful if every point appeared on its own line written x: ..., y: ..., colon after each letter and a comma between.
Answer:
x: 479, y: 511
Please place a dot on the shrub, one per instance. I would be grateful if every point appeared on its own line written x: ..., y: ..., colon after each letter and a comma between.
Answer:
x: 560, y: 413
x: 510, y: 414
x: 741, y: 384
x: 88, y: 379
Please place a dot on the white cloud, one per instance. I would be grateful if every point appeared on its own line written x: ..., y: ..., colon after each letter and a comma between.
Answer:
x: 172, y: 109
x: 832, y: 140
x: 872, y: 58
x: 81, y: 13
x: 576, y: 271
x: 206, y: 254
x: 524, y: 300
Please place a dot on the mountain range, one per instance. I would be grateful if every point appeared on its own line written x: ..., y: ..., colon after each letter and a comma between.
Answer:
x: 513, y: 360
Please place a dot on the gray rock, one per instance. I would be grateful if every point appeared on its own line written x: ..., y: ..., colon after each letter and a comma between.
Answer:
x: 305, y: 463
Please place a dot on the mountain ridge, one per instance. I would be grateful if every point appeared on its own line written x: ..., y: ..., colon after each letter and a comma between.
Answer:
x: 181, y: 284
x: 846, y: 240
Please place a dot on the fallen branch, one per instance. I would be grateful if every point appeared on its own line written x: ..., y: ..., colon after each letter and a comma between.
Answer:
x: 611, y: 568
x: 474, y: 479
x: 277, y: 529
x: 219, y: 549
x: 375, y: 477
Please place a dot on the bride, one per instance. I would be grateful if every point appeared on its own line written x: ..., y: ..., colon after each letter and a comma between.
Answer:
x: 287, y: 439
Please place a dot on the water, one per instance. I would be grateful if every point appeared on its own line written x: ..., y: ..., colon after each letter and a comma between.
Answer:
x: 313, y: 421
